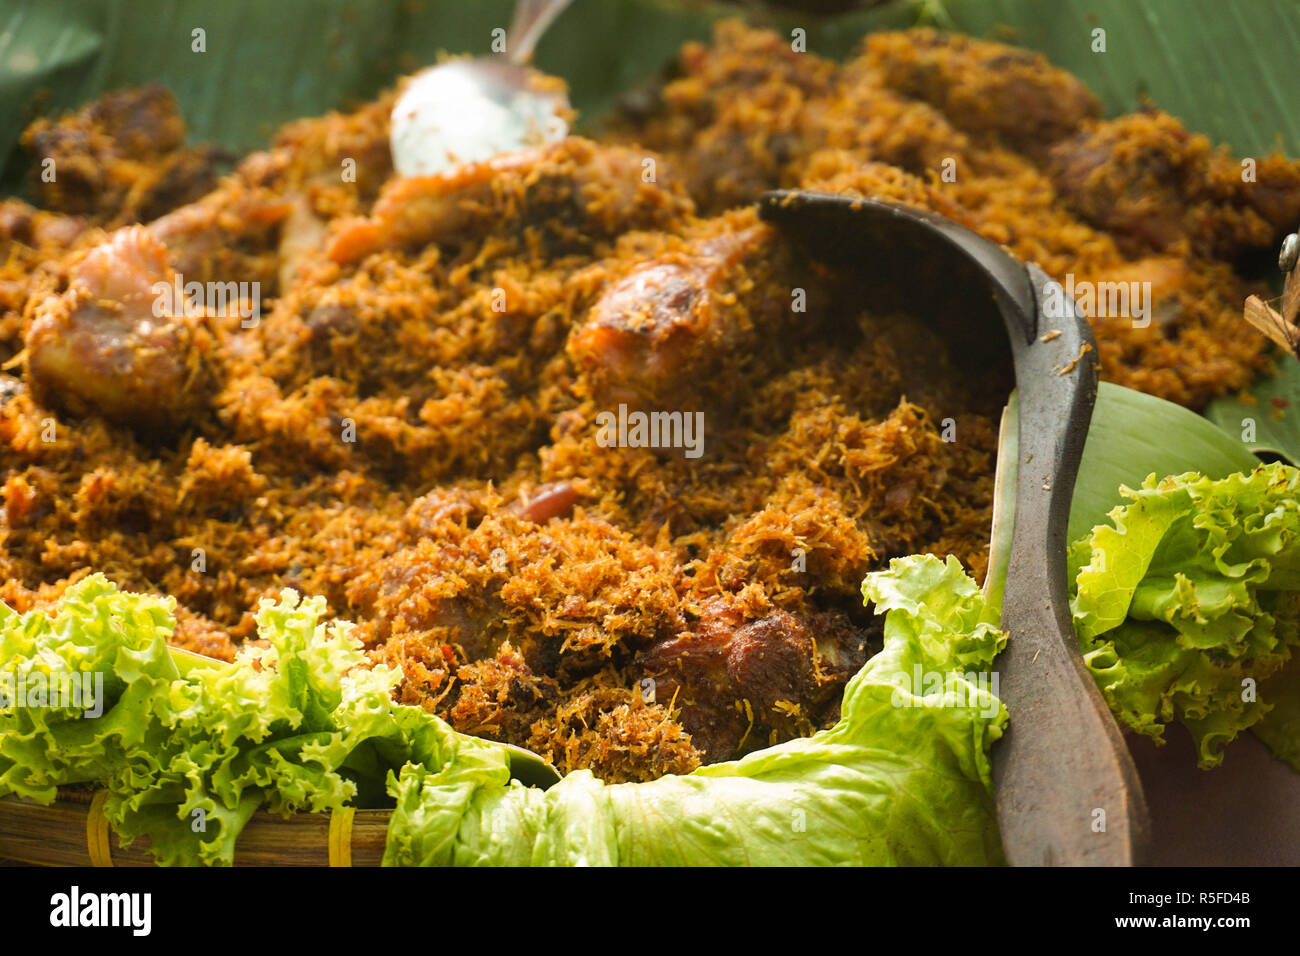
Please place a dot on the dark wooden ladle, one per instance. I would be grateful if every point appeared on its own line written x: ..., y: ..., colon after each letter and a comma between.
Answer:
x: 1067, y: 791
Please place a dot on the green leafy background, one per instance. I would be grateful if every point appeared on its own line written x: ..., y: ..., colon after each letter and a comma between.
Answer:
x: 1273, y: 406
x: 1227, y: 67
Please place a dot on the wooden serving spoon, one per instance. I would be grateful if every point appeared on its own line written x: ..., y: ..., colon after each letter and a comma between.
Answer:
x: 1067, y: 791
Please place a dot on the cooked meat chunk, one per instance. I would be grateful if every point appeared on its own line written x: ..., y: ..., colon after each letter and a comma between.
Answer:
x: 1151, y: 183
x: 231, y: 234
x: 120, y: 343
x: 987, y: 89
x: 742, y: 686
x: 103, y: 348
x: 562, y: 197
x: 121, y: 159
x: 674, y: 318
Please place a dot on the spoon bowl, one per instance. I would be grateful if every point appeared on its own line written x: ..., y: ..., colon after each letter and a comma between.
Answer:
x: 469, y: 110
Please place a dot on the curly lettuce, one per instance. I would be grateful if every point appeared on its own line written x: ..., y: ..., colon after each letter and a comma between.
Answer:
x: 1189, y: 601
x: 903, y: 778
x: 301, y: 724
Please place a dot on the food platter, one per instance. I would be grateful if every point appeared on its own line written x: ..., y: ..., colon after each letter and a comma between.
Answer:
x: 567, y: 506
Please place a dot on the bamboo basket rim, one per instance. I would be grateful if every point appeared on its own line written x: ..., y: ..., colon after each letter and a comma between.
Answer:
x: 72, y: 831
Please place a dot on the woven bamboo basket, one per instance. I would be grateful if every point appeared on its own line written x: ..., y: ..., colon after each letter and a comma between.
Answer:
x: 74, y: 832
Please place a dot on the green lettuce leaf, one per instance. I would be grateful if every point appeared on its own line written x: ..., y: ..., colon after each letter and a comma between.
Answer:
x: 302, y: 724
x: 903, y: 778
x: 99, y: 633
x: 1189, y: 600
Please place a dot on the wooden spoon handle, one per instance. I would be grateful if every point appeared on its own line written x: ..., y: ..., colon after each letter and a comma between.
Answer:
x: 1067, y: 790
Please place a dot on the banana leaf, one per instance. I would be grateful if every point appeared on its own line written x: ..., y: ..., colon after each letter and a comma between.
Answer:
x: 1267, y: 416
x: 1223, y: 68
x: 1131, y: 436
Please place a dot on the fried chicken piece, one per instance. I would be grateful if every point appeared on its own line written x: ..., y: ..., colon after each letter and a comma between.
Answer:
x: 103, y: 348
x: 744, y: 685
x: 121, y: 159
x: 231, y: 234
x: 1151, y: 183
x: 116, y: 345
x: 560, y: 197
x: 986, y: 89
x: 671, y: 320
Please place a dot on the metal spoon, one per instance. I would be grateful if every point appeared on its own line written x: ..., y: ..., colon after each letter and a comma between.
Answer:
x: 467, y: 111
x: 1067, y: 791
